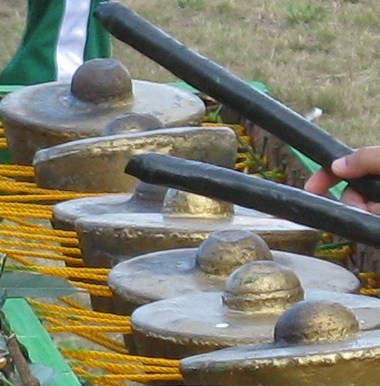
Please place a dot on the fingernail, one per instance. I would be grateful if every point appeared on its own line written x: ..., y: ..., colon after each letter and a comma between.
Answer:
x: 339, y: 165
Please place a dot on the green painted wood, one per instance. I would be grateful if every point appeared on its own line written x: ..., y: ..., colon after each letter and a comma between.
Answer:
x: 7, y: 89
x: 311, y: 166
x: 30, y: 333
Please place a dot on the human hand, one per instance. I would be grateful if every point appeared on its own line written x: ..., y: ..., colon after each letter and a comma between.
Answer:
x: 361, y: 162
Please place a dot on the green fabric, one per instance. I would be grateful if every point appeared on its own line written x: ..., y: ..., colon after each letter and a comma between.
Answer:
x: 336, y: 191
x: 98, y: 43
x: 34, y: 61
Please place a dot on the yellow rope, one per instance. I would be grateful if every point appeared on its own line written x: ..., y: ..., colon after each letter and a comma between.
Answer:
x: 93, y: 273
x: 20, y: 259
x: 94, y: 354
x: 95, y: 337
x: 22, y: 222
x: 27, y: 202
x: 32, y: 189
x: 40, y: 197
x: 41, y: 230
x: 41, y: 255
x: 86, y: 319
x: 9, y: 213
x: 17, y: 172
x: 79, y: 312
x: 122, y: 368
x: 370, y: 291
x: 23, y: 209
x: 67, y: 272
x: 91, y: 329
x: 25, y: 168
x: 11, y: 186
x: 72, y: 303
x: 141, y: 378
x: 24, y: 235
x: 93, y: 289
x: 100, y: 381
x: 46, y: 247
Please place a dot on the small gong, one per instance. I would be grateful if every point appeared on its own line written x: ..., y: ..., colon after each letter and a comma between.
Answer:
x: 97, y: 164
x: 324, y: 341
x: 187, y: 220
x: 165, y: 274
x: 146, y: 200
x: 108, y: 239
x: 101, y: 90
x: 255, y: 296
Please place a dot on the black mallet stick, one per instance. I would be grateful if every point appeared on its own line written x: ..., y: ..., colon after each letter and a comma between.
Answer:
x: 263, y: 195
x: 226, y: 88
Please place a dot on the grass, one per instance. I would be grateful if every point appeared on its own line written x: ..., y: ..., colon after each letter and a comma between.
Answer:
x: 308, y: 52
x: 305, y: 13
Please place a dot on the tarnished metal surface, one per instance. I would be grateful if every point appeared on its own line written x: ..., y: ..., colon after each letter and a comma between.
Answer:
x: 46, y: 115
x: 198, y: 323
x: 165, y: 274
x: 102, y: 81
x: 146, y: 198
x: 315, y: 322
x: 97, y: 164
x: 224, y: 251
x: 131, y: 122
x: 183, y: 204
x: 262, y: 288
x: 316, y: 343
x: 110, y: 238
x: 107, y: 239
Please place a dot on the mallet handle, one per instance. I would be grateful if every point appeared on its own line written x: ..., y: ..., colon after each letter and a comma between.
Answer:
x: 215, y: 81
x: 279, y: 200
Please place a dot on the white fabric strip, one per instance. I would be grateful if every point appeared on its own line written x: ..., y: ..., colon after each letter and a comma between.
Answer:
x: 72, y: 38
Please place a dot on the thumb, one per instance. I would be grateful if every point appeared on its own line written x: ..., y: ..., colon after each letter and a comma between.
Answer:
x: 361, y: 162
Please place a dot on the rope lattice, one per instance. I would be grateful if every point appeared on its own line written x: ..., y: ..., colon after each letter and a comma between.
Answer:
x: 119, y: 364
x: 27, y: 238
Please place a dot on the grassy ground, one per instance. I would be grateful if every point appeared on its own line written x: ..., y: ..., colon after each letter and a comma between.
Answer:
x: 308, y: 52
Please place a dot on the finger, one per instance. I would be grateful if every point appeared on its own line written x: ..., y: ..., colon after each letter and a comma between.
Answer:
x: 374, y: 208
x: 361, y: 162
x: 352, y: 198
x: 320, y: 182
